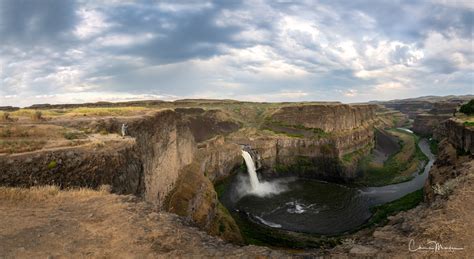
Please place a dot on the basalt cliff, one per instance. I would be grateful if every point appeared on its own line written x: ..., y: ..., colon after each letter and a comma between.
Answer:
x: 173, y: 156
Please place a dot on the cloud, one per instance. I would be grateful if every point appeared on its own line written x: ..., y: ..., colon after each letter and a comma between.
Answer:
x: 92, y: 23
x: 71, y: 51
x: 30, y: 22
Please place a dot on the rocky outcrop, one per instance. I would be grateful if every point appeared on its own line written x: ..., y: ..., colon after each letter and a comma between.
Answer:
x: 426, y: 123
x: 159, y: 157
x: 327, y: 117
x: 459, y: 135
x: 166, y: 145
x: 456, y: 151
x: 390, y: 118
x: 115, y: 164
x: 410, y: 108
x: 321, y: 134
x: 415, y: 106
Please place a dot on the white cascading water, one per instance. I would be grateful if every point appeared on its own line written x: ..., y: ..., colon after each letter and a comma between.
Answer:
x: 256, y: 187
x: 251, y: 170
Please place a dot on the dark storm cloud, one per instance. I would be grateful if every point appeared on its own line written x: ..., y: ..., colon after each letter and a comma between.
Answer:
x: 30, y: 22
x: 179, y: 36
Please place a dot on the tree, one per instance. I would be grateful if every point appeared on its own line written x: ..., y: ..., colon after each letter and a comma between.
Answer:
x: 468, y: 108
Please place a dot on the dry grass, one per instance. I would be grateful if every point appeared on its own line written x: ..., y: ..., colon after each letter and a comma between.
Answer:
x: 42, y: 193
x: 5, y: 116
x: 24, y: 138
x: 82, y: 111
x: 17, y: 138
x: 113, y: 111
x: 37, y: 116
x: 454, y: 223
x: 31, y: 112
x: 19, y: 146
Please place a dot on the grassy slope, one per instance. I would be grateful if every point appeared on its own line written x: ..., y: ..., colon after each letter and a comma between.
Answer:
x: 381, y: 212
x: 399, y: 167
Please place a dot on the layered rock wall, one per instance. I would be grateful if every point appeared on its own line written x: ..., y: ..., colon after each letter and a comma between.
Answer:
x: 342, y: 129
x: 460, y: 135
x: 427, y: 123
x: 90, y: 166
x: 329, y: 117
x: 166, y: 145
x: 455, y: 158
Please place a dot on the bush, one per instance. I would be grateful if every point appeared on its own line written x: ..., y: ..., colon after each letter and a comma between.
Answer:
x: 468, y: 108
x: 5, y: 116
x: 73, y: 135
x: 52, y: 164
x: 6, y: 132
x: 36, y: 116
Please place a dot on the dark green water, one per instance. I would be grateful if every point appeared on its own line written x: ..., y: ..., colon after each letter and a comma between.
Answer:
x: 311, y: 206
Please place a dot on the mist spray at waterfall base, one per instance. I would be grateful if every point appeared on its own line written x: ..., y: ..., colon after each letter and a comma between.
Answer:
x: 251, y: 185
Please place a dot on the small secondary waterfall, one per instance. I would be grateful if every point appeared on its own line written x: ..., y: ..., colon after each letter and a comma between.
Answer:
x: 251, y: 170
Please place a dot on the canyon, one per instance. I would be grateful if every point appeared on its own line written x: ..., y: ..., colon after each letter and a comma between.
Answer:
x: 175, y: 154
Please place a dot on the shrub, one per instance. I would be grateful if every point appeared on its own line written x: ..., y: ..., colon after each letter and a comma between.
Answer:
x: 70, y: 135
x: 468, y: 108
x: 6, y: 132
x: 37, y: 115
x: 73, y: 135
x: 5, y: 116
x: 52, y: 164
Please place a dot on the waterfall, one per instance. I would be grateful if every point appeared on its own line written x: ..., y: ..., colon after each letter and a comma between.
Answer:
x: 251, y: 170
x: 261, y: 189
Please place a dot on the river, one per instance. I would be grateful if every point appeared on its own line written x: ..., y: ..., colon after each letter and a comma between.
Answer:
x: 320, y: 207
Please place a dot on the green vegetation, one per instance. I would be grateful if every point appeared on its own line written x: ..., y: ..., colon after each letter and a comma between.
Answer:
x: 462, y: 152
x: 399, y: 167
x: 468, y: 108
x: 221, y: 186
x: 433, y: 146
x: 260, y: 235
x: 297, y: 131
x: 311, y: 167
x: 52, y: 164
x: 381, y: 212
x: 469, y: 123
x: 256, y: 234
x: 293, y: 135
x: 349, y: 157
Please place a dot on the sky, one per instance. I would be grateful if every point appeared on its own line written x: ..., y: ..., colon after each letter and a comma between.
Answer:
x: 64, y: 51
